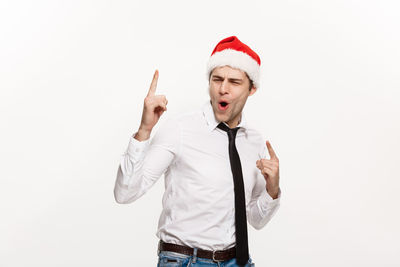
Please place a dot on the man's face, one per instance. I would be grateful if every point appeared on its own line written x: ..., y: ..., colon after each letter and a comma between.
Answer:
x: 229, y: 89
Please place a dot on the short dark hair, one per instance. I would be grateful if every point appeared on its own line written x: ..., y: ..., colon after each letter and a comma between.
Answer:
x: 251, y: 82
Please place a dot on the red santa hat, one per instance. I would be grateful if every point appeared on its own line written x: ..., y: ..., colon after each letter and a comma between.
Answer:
x: 232, y: 52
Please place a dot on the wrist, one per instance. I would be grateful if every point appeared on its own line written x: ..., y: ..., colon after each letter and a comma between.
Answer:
x: 142, y: 134
x: 273, y: 192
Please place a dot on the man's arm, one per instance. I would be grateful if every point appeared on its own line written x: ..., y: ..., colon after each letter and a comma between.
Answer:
x: 144, y: 162
x: 262, y: 206
x: 266, y: 193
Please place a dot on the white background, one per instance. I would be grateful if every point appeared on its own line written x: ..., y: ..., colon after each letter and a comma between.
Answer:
x: 73, y: 76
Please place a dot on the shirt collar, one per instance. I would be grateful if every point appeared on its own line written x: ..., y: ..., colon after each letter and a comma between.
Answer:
x: 212, y: 122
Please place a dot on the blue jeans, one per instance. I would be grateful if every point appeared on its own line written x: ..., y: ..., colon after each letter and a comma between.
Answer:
x: 173, y: 259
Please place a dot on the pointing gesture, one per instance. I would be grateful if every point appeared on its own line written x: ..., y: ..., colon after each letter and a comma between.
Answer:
x: 154, y: 106
x: 271, y: 152
x: 153, y: 85
x: 270, y: 170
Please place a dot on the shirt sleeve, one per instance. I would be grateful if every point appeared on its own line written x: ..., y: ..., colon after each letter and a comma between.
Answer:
x: 262, y: 207
x: 144, y: 162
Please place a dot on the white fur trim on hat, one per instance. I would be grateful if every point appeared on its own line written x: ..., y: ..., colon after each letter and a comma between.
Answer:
x: 235, y: 59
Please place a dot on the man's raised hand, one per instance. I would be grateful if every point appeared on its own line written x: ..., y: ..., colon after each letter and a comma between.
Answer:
x: 154, y: 106
x: 270, y: 170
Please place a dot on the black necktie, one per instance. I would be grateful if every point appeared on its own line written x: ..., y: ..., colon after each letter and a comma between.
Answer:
x: 242, y: 248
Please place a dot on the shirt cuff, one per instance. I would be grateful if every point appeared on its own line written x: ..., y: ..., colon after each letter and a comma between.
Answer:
x: 266, y: 202
x: 136, y: 148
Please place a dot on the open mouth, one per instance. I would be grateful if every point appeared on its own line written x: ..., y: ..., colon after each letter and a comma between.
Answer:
x: 223, y: 105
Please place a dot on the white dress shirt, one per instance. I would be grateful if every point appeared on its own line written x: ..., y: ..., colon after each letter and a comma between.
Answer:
x: 198, y: 202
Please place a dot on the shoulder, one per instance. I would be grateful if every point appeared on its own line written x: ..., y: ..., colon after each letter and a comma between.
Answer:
x: 175, y: 121
x: 185, y: 117
x: 257, y: 139
x: 253, y: 133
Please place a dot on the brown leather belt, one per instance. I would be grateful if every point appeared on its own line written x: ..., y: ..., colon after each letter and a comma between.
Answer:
x: 218, y: 255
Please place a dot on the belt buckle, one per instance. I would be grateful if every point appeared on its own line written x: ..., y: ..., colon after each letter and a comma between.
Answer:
x: 213, y: 256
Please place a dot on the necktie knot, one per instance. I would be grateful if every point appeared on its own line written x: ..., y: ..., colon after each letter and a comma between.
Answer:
x: 231, y: 131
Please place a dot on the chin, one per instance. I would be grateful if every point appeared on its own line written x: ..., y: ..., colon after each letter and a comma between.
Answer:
x: 220, y: 117
x: 224, y: 118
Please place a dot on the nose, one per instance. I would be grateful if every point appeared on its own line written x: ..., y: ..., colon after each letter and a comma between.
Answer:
x: 223, y: 88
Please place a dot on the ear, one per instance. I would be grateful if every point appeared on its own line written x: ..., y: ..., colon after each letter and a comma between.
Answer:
x: 252, y: 90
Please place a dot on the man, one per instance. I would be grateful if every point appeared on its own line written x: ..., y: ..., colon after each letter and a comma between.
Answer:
x: 217, y: 176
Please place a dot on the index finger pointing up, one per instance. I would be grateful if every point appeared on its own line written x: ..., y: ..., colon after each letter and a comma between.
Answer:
x: 153, y: 85
x: 271, y: 151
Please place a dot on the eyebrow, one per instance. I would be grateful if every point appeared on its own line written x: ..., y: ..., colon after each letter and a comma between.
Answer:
x: 229, y: 79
